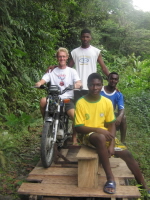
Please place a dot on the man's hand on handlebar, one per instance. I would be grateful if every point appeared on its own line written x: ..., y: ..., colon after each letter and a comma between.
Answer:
x: 38, y: 84
x: 41, y: 82
x: 78, y: 85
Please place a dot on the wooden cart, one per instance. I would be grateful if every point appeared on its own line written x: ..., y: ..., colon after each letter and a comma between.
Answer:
x: 76, y: 173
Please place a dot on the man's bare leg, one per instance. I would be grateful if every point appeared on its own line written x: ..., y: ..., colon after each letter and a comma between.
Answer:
x: 74, y: 135
x: 43, y: 106
x: 99, y: 141
x: 133, y: 166
x: 123, y: 129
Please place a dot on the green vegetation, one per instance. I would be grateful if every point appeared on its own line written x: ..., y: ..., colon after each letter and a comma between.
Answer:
x: 30, y: 33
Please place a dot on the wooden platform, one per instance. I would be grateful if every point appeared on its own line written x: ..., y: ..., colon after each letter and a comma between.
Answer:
x: 60, y: 180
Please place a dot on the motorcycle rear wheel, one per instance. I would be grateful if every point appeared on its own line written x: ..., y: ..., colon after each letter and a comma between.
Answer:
x: 47, y: 145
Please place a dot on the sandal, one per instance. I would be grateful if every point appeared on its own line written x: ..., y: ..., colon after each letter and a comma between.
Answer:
x: 111, y: 185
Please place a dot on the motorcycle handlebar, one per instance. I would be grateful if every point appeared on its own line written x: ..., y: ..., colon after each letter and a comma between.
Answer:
x: 40, y: 87
x: 70, y: 87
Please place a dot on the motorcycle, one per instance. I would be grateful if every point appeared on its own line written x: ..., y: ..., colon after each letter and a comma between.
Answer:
x: 56, y: 123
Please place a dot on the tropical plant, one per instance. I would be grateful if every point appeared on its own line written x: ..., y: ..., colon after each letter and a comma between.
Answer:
x: 7, y: 148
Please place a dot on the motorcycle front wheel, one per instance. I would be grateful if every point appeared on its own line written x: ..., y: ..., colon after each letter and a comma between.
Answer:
x: 47, y: 145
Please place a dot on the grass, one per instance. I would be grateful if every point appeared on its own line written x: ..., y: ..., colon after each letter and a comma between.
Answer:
x: 138, y: 140
x: 138, y: 135
x: 20, y: 163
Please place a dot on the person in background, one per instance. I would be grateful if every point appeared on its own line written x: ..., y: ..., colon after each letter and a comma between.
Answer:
x: 91, y: 113
x: 86, y: 57
x: 63, y: 76
x: 109, y: 91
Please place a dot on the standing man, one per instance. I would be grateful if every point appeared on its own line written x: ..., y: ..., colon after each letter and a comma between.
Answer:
x: 92, y: 111
x: 63, y: 76
x: 85, y: 58
x: 109, y: 91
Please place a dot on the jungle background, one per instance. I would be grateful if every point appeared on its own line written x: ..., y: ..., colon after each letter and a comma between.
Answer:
x: 30, y: 34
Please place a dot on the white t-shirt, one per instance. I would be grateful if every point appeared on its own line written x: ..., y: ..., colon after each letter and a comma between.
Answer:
x: 85, y: 62
x: 63, y: 78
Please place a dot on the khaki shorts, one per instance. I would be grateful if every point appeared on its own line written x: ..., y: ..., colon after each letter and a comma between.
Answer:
x: 118, y: 145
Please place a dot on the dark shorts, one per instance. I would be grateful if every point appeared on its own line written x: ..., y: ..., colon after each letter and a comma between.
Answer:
x: 69, y: 105
x: 78, y: 94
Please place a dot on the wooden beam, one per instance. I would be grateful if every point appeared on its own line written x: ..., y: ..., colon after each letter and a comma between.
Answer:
x: 75, y: 191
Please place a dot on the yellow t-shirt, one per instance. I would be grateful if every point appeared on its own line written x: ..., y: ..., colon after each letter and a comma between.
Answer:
x: 94, y: 114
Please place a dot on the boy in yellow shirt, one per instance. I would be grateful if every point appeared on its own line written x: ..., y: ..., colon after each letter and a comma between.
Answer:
x: 91, y: 113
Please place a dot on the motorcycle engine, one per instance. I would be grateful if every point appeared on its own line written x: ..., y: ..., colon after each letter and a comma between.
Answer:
x: 60, y: 134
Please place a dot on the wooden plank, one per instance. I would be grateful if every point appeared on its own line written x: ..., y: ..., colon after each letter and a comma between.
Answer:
x: 72, y: 180
x: 64, y: 153
x: 39, y: 164
x: 87, y: 153
x: 121, y: 181
x: 123, y: 172
x: 40, y: 178
x: 72, y: 154
x: 38, y: 173
x: 54, y: 171
x: 74, y: 191
x: 116, y: 161
x: 119, y: 169
x: 35, y: 178
x: 87, y: 167
x: 69, y: 153
x: 87, y: 173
